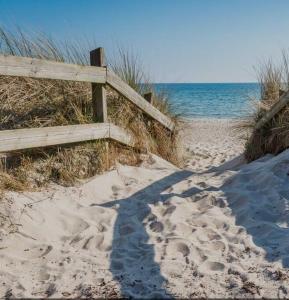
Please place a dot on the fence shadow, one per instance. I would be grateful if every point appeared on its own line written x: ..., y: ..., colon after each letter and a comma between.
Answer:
x: 132, y: 258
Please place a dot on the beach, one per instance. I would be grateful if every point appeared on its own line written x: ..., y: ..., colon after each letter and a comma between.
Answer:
x: 210, y: 143
x: 216, y: 228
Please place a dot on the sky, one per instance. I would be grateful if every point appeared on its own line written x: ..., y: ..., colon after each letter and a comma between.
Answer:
x: 176, y: 40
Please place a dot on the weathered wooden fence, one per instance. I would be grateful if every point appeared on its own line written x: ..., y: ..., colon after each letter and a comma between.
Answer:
x: 275, y: 109
x: 99, y: 76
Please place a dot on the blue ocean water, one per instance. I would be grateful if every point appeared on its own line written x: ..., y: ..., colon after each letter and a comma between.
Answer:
x: 211, y: 100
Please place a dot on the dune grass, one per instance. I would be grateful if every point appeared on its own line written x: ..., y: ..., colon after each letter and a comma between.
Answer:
x: 273, y: 137
x: 28, y: 103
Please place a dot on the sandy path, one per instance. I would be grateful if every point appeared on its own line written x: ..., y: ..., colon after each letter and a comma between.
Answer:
x: 210, y: 143
x: 216, y: 229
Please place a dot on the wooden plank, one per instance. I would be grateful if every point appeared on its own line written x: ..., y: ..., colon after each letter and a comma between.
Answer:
x: 283, y: 101
x: 124, y: 89
x: 120, y: 135
x: 48, y: 136
x: 98, y: 90
x: 39, y: 68
x: 149, y: 97
x: 18, y: 139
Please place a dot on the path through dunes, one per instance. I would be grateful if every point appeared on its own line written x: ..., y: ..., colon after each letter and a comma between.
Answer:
x: 218, y: 228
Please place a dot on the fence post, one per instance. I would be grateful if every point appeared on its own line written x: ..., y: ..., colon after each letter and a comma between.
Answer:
x: 149, y: 97
x: 99, y: 102
x: 98, y: 90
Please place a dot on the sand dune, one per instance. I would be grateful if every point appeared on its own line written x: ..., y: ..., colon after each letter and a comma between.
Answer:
x: 219, y: 228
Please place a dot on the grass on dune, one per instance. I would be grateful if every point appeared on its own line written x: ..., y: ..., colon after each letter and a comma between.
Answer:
x: 27, y: 103
x: 273, y: 137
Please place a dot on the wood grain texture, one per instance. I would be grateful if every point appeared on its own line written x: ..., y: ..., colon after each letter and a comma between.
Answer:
x: 124, y: 89
x: 19, y: 139
x: 99, y: 101
x: 284, y: 100
x: 120, y: 135
x: 39, y: 68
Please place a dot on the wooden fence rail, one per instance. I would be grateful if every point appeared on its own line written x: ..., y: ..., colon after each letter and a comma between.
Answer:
x: 97, y: 74
x: 38, y: 68
x: 19, y: 139
x: 269, y: 115
x: 120, y: 86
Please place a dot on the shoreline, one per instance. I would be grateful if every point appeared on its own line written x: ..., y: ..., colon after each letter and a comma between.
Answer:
x: 187, y: 119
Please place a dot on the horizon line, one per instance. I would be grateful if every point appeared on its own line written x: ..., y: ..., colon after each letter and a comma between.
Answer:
x: 208, y: 82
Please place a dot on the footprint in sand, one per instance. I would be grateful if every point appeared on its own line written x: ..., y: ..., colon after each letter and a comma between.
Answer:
x: 47, y: 250
x: 115, y: 189
x: 75, y: 239
x: 219, y: 202
x: 218, y: 245
x: 184, y: 230
x: 96, y: 241
x: 170, y: 189
x: 211, y: 266
x: 203, y: 185
x: 43, y: 275
x: 37, y: 251
x: 183, y: 248
x: 169, y: 210
x: 177, y: 247
x: 86, y: 244
x: 74, y: 225
x: 157, y: 226
x: 207, y: 235
x: 126, y: 229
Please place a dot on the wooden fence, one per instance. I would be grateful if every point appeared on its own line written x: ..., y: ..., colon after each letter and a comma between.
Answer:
x: 99, y: 76
x: 269, y: 115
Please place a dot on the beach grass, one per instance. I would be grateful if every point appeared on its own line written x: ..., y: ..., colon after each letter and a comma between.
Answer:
x: 29, y: 103
x: 273, y: 136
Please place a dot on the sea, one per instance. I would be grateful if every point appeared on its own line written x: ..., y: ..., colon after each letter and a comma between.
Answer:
x: 211, y: 100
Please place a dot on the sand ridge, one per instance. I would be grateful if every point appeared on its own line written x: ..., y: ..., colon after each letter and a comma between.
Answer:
x: 218, y: 228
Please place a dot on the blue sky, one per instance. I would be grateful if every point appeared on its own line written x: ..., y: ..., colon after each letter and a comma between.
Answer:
x: 177, y: 40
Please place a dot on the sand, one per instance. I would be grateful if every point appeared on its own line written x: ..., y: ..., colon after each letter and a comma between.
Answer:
x: 218, y: 228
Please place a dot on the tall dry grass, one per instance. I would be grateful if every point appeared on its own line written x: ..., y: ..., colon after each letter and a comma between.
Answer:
x: 27, y: 103
x: 273, y: 137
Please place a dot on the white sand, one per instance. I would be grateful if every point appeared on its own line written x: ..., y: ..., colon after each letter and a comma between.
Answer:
x: 216, y: 229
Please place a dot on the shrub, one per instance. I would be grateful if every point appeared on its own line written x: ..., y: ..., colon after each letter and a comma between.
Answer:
x: 273, y: 137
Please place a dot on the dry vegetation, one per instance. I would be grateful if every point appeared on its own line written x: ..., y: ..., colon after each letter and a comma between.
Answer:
x: 273, y: 137
x: 27, y: 102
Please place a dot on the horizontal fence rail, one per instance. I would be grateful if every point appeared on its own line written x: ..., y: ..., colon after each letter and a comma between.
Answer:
x: 269, y: 115
x: 20, y: 139
x: 124, y: 89
x: 39, y: 68
x: 99, y: 76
